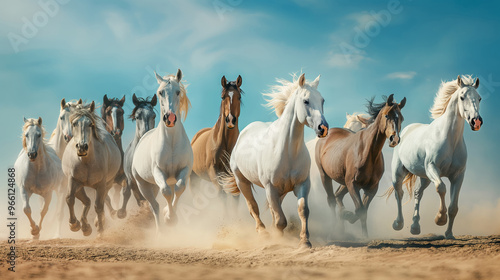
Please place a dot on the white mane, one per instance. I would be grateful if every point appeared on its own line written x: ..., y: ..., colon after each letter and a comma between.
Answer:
x: 444, y: 94
x: 280, y: 94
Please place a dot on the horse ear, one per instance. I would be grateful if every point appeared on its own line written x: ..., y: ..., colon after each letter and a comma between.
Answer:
x: 79, y: 101
x: 223, y: 81
x: 459, y: 81
x: 302, y: 79
x: 153, y: 100
x: 122, y: 101
x: 178, y: 76
x: 362, y: 120
x: 92, y: 106
x: 24, y: 119
x: 105, y: 100
x: 390, y: 99
x: 135, y: 100
x: 239, y: 81
x: 63, y: 103
x: 347, y: 116
x: 476, y: 83
x: 402, y: 103
x: 159, y: 79
x: 315, y: 83
x: 39, y: 120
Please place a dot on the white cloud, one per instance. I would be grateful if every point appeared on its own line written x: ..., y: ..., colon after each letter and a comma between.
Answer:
x: 402, y: 75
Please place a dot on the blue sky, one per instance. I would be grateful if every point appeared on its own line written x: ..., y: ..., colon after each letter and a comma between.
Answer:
x: 86, y: 49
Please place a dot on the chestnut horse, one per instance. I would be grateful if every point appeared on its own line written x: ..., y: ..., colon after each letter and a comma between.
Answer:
x: 212, y: 146
x: 355, y: 160
x: 112, y: 115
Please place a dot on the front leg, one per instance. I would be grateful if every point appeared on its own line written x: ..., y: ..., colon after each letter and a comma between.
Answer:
x: 301, y: 191
x: 101, y: 198
x: 161, y: 181
x: 35, y: 230
x: 434, y: 175
x: 180, y: 186
x: 47, y: 197
x: 456, y: 185
x: 73, y: 187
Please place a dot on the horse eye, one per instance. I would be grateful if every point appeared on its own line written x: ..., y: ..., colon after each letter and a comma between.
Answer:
x: 480, y: 99
x: 462, y: 98
x: 386, y: 116
x: 178, y: 92
x: 306, y: 102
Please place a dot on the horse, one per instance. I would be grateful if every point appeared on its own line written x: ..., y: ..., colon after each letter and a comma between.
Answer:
x: 144, y: 116
x: 38, y: 170
x: 91, y: 159
x: 356, y: 121
x: 212, y: 146
x: 355, y: 160
x: 163, y: 158
x: 274, y: 156
x: 112, y: 115
x: 435, y: 150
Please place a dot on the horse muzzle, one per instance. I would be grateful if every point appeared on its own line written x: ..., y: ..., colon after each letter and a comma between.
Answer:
x: 170, y: 119
x: 32, y: 155
x: 393, y: 140
x: 230, y: 121
x: 82, y: 149
x: 322, y: 130
x: 476, y: 123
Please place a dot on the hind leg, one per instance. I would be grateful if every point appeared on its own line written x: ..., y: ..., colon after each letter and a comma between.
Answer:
x: 180, y: 186
x: 419, y: 191
x: 398, y: 174
x: 326, y: 181
x: 367, y: 198
x: 302, y: 192
x: 433, y: 174
x: 149, y: 192
x: 246, y: 189
x: 456, y: 185
x: 274, y: 199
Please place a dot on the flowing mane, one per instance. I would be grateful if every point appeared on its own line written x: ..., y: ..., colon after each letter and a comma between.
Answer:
x: 84, y: 111
x: 185, y: 104
x: 444, y: 94
x: 280, y: 94
x: 28, y: 123
x: 373, y: 108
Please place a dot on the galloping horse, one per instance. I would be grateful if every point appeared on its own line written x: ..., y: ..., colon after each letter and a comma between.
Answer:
x: 435, y: 150
x: 38, y: 170
x: 212, y: 146
x: 91, y: 159
x: 112, y: 115
x: 355, y: 160
x: 274, y: 155
x: 144, y: 117
x: 164, y: 157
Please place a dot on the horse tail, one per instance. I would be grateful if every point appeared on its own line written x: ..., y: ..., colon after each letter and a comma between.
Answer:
x: 226, y: 179
x: 409, y: 182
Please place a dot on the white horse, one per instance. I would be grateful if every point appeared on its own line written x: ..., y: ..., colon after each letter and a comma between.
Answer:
x: 144, y: 117
x: 163, y: 158
x: 38, y: 170
x: 435, y: 150
x: 91, y: 159
x: 274, y: 155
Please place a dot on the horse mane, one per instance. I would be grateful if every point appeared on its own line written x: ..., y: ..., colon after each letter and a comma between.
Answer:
x: 69, y: 104
x: 83, y: 111
x: 373, y: 109
x: 28, y: 123
x: 444, y: 94
x: 143, y: 102
x: 185, y: 104
x: 280, y: 94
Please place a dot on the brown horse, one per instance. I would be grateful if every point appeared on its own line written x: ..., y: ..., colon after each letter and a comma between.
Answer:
x: 112, y: 115
x: 213, y: 146
x: 355, y: 160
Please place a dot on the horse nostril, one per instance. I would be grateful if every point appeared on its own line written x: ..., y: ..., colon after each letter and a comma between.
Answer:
x: 165, y: 117
x: 234, y: 120
x: 77, y: 146
x: 391, y: 138
x: 227, y: 119
x: 86, y: 147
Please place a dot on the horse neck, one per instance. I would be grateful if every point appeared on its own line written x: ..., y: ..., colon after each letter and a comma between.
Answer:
x: 222, y: 136
x: 41, y: 157
x: 375, y: 137
x: 118, y: 140
x: 453, y: 122
x: 170, y: 132
x: 57, y: 140
x: 291, y: 131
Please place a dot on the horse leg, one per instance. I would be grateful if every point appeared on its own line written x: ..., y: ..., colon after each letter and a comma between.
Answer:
x: 148, y: 191
x: 358, y: 203
x: 433, y: 174
x: 274, y: 200
x: 180, y: 186
x: 398, y: 174
x: 339, y: 197
x: 126, y: 192
x: 419, y: 192
x: 367, y: 198
x: 60, y: 208
x: 245, y: 187
x: 101, y: 196
x: 456, y: 185
x: 116, y: 193
x: 302, y: 192
x: 167, y: 191
x: 35, y: 230
x: 112, y: 211
x: 73, y: 186
x: 47, y: 197
x: 330, y: 196
x: 82, y: 196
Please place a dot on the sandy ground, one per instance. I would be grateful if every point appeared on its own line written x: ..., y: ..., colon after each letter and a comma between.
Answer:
x: 467, y: 257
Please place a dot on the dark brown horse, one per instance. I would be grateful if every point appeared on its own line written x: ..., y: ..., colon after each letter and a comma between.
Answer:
x: 355, y: 160
x: 212, y: 146
x: 112, y: 115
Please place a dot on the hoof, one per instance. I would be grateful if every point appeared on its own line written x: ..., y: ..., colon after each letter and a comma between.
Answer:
x: 441, y: 220
x: 121, y: 214
x: 35, y: 231
x: 170, y: 220
x: 349, y: 216
x: 305, y: 245
x: 113, y: 214
x: 75, y: 226
x: 415, y: 229
x: 35, y: 237
x: 449, y: 235
x: 397, y: 225
x: 86, y: 229
x: 263, y: 233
